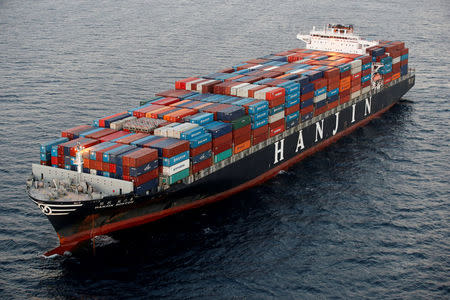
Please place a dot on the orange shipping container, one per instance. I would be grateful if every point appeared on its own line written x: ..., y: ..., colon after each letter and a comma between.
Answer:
x: 396, y: 76
x: 241, y: 147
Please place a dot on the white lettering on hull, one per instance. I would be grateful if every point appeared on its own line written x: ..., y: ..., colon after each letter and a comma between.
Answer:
x: 368, y: 105
x: 319, y: 130
x: 337, y: 123
x: 300, y: 143
x: 279, y: 151
x: 353, y: 112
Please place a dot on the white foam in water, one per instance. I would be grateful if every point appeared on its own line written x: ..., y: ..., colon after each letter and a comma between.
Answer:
x: 104, y: 240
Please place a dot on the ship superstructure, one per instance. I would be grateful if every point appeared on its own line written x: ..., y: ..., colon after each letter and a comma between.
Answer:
x: 339, y: 38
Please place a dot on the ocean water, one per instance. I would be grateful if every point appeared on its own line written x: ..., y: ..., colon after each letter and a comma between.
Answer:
x: 366, y: 218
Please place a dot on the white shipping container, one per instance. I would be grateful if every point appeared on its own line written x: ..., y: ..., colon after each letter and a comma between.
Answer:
x: 270, y: 68
x: 396, y: 60
x: 276, y: 117
x: 176, y: 168
x: 261, y: 94
x: 235, y: 88
x: 176, y: 131
x: 320, y: 98
x: 356, y: 63
x: 254, y: 67
x: 243, y: 92
x: 189, y: 84
x: 199, y: 86
x: 355, y: 70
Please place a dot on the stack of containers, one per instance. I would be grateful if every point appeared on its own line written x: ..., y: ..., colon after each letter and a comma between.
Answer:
x: 222, y: 139
x: 258, y: 111
x: 141, y: 167
x: 332, y: 75
x: 275, y: 96
x: 292, y: 103
x: 112, y: 159
x: 344, y: 83
x: 96, y: 163
x: 74, y: 133
x: 404, y: 62
x: 46, y: 149
x: 106, y: 121
x: 201, y: 154
x: 366, y: 73
x: 67, y: 151
x: 320, y: 93
x: 90, y: 155
x: 306, y: 98
x: 167, y: 149
x: 355, y: 71
x: 241, y: 126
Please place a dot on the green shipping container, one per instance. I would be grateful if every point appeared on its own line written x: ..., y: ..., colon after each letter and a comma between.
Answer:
x: 241, y: 122
x: 223, y: 155
x: 178, y: 176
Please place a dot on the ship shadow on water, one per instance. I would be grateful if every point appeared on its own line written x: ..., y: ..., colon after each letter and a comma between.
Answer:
x: 186, y: 238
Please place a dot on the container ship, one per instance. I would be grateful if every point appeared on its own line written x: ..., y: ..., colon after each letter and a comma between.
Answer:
x: 215, y: 135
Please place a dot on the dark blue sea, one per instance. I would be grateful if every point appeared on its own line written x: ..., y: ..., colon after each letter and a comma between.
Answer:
x: 369, y: 217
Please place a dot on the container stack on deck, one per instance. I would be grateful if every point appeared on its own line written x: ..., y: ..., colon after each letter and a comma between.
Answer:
x: 207, y: 119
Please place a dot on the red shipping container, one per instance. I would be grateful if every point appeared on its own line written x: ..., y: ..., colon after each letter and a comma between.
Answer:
x: 243, y: 131
x: 259, y: 138
x: 292, y: 109
x: 344, y: 98
x: 226, y: 138
x: 220, y: 148
x: 155, y: 141
x: 113, y: 136
x: 209, y: 87
x: 319, y: 83
x: 85, y: 144
x: 139, y: 157
x: 125, y: 171
x: 333, y: 85
x: 306, y: 96
x: 333, y: 104
x: 145, y: 177
x: 129, y: 139
x: 181, y: 84
x: 201, y: 165
x: 104, y: 167
x: 365, y: 72
x: 140, y: 113
x: 261, y: 130
x: 276, y: 130
x: 356, y: 76
x: 86, y: 163
x: 227, y: 70
x: 306, y: 110
x: 237, y: 140
x: 200, y: 149
x: 69, y: 133
x: 345, y: 74
x: 321, y: 110
x: 332, y: 73
x: 365, y: 59
x: 166, y: 101
x: 365, y: 84
x: 278, y: 93
x: 54, y: 160
x: 175, y: 148
x: 112, y: 168
x: 275, y: 102
x: 404, y: 62
x: 173, y: 93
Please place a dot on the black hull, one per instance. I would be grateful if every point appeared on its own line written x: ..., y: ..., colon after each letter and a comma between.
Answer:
x: 96, y: 217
